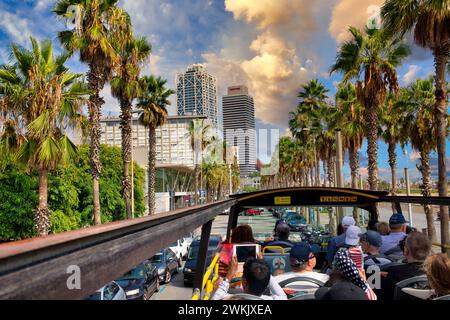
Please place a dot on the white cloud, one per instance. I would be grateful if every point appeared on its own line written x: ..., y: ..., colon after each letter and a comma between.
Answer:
x: 351, y: 13
x: 18, y: 28
x: 411, y: 74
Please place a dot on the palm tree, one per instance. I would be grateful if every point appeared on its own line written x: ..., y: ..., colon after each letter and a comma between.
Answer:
x: 198, y: 132
x: 430, y: 21
x: 391, y: 123
x: 100, y: 25
x: 375, y: 55
x: 419, y: 100
x: 352, y: 124
x: 153, y: 102
x: 47, y: 98
x: 125, y: 87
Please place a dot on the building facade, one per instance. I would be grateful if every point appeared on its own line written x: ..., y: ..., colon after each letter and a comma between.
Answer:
x: 197, y: 94
x: 239, y: 126
x: 173, y: 141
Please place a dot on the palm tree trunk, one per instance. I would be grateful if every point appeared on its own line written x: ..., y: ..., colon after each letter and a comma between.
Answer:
x: 393, y: 165
x: 425, y: 170
x: 96, y: 84
x: 42, y: 214
x: 196, y: 195
x: 317, y: 167
x: 126, y: 126
x: 331, y: 170
x: 372, y: 145
x: 325, y: 172
x: 151, y: 171
x: 354, y: 165
x: 441, y: 60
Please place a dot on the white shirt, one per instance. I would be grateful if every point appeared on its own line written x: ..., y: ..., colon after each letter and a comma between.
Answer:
x: 302, y: 284
x: 276, y: 292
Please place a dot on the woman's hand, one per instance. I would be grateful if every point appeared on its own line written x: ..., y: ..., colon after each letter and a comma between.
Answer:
x: 232, y: 268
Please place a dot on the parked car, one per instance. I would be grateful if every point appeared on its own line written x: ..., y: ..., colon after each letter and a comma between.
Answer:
x: 191, y: 262
x: 213, y: 237
x: 112, y: 291
x: 180, y: 248
x: 188, y: 239
x: 141, y: 282
x: 253, y: 212
x: 166, y: 264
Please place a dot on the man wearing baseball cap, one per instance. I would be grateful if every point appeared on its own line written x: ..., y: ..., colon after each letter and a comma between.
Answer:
x: 303, y: 261
x: 338, y: 241
x: 390, y: 246
x: 371, y: 242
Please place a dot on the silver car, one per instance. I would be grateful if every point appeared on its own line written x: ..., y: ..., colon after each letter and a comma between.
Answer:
x: 112, y: 291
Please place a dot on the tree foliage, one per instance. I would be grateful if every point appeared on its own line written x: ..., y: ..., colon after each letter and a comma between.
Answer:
x: 70, y: 195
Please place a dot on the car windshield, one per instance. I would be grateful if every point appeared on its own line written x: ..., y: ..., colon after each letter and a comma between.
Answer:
x: 156, y: 258
x: 175, y: 244
x: 296, y: 220
x: 95, y: 296
x: 135, y: 274
x: 193, y: 252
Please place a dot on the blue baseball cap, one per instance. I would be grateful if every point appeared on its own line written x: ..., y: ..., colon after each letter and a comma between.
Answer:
x: 300, y: 253
x: 397, y: 218
x: 372, y: 237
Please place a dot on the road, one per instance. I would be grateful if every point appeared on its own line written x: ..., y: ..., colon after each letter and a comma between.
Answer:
x: 264, y: 225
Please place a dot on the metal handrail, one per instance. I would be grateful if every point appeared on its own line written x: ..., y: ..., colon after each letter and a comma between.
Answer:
x: 209, y: 280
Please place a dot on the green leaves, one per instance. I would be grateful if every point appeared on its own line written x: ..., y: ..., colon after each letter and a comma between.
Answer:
x: 69, y: 193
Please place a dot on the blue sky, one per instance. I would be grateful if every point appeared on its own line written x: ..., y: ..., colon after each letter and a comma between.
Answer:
x: 270, y: 46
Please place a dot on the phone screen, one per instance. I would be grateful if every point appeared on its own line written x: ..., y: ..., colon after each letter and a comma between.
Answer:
x: 245, y: 252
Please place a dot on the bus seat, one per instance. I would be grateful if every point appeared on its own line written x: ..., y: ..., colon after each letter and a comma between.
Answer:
x: 274, y: 249
x: 447, y: 297
x: 304, y: 297
x: 419, y: 282
x: 422, y: 294
x: 277, y: 261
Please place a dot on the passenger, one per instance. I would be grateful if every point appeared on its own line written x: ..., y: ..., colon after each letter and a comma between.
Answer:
x: 344, y: 290
x: 256, y: 279
x: 371, y: 242
x: 383, y: 228
x: 352, y: 247
x: 243, y: 234
x: 397, y: 224
x: 303, y: 262
x: 416, y: 249
x: 345, y: 265
x: 437, y: 268
x: 337, y: 242
x: 282, y: 238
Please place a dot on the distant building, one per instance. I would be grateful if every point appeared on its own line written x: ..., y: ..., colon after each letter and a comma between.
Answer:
x: 174, y: 157
x: 239, y: 126
x: 197, y: 94
x: 173, y: 142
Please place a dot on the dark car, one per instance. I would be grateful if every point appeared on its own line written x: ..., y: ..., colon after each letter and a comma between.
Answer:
x: 166, y: 264
x: 141, y: 282
x: 296, y: 223
x: 191, y: 262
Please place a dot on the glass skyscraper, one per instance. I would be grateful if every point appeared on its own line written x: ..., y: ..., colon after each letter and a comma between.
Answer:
x: 197, y: 94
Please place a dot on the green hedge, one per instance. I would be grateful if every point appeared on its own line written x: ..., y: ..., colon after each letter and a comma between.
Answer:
x: 69, y: 195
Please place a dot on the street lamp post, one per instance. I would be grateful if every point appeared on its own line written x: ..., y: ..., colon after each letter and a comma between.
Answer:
x: 408, y: 190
